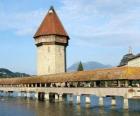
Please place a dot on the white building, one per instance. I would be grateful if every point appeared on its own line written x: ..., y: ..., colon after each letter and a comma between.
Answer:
x: 135, y: 61
x: 130, y: 59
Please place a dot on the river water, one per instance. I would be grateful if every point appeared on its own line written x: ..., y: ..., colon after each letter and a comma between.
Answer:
x: 29, y: 107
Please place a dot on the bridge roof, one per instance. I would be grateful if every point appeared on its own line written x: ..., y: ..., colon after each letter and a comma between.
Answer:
x: 116, y: 73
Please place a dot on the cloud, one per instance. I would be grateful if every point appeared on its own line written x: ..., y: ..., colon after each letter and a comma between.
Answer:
x: 21, y: 23
x: 103, y: 22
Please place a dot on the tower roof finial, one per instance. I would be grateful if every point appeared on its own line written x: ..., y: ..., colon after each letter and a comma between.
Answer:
x: 51, y: 10
x: 130, y: 50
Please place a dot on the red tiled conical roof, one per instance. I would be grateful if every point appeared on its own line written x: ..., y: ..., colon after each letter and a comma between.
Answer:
x: 51, y: 25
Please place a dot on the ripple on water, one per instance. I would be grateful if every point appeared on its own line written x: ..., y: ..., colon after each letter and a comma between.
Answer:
x: 27, y: 107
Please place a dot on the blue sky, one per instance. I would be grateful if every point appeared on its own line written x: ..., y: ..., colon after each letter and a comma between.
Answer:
x: 100, y: 30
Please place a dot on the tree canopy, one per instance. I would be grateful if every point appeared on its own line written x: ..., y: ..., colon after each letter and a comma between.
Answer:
x: 80, y: 67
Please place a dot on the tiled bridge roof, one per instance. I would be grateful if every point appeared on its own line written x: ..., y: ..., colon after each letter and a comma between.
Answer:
x: 116, y: 73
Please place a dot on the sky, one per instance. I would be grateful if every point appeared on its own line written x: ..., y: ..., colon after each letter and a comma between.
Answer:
x: 99, y: 30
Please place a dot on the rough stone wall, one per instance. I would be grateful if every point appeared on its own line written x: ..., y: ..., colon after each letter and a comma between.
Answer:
x: 50, y: 59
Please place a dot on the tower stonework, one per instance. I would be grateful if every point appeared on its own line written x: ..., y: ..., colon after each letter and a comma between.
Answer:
x: 51, y: 40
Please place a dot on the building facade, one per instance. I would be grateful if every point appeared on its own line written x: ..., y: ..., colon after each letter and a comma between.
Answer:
x: 51, y: 41
x: 130, y: 60
x: 134, y: 62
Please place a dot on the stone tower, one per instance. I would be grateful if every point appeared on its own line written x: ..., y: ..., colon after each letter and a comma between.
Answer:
x: 51, y: 40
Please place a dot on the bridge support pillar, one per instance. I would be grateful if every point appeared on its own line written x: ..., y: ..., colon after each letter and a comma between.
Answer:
x: 134, y: 104
x: 9, y: 93
x: 15, y: 94
x: 6, y: 93
x: 28, y: 94
x: 101, y: 101
x: 19, y: 94
x: 119, y: 102
x: 87, y: 97
x: 78, y: 98
x: 94, y: 101
x: 107, y: 101
x: 82, y: 100
x: 69, y: 98
x: 74, y: 99
x: 46, y: 96
x: 125, y: 103
x: 60, y: 97
x: 56, y: 97
x: 113, y: 101
x: 25, y: 94
x: 52, y: 97
x: 36, y: 95
x: 41, y: 96
x: 32, y: 94
x: 1, y: 93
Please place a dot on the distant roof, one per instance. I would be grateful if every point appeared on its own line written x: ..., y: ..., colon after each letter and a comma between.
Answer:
x: 136, y: 56
x: 51, y: 25
x: 116, y: 73
x: 125, y: 59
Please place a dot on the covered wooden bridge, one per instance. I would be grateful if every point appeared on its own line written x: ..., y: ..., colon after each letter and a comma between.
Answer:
x: 112, y: 77
x: 120, y: 83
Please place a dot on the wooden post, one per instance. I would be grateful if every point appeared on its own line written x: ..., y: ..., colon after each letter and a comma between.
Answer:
x: 126, y: 83
x: 94, y: 83
x: 119, y: 83
x: 106, y: 83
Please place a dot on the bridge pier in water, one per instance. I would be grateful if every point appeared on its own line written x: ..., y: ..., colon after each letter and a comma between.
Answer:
x: 94, y: 101
x: 60, y: 97
x: 119, y: 100
x: 75, y: 98
x: 107, y: 102
x: 41, y: 96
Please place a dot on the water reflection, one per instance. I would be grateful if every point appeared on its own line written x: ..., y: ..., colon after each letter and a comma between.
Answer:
x: 29, y: 107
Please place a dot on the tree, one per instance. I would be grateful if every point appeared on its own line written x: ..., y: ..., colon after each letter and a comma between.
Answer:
x: 80, y: 67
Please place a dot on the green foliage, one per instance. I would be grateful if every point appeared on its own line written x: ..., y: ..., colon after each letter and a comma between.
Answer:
x: 5, y: 73
x: 80, y: 67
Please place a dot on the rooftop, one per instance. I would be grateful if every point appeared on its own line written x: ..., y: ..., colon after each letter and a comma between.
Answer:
x: 116, y: 73
x: 51, y: 25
